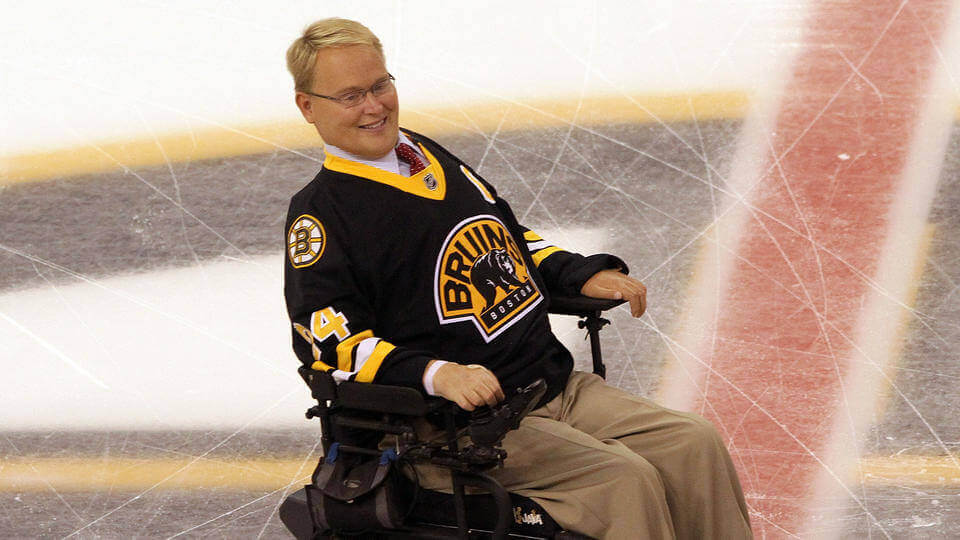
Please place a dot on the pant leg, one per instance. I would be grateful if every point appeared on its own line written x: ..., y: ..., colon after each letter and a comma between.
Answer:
x: 598, y: 488
x: 702, y: 488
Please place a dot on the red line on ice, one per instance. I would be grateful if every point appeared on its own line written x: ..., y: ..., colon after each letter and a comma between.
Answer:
x: 788, y: 310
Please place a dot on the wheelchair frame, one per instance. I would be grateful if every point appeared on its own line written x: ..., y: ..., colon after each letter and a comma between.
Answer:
x: 350, y: 405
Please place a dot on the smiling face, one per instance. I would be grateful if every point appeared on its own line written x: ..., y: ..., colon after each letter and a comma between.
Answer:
x: 370, y: 129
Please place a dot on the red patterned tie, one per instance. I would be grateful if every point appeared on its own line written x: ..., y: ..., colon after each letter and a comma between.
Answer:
x: 406, y: 153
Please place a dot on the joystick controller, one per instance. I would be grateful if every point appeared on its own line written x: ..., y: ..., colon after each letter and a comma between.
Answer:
x: 488, y: 426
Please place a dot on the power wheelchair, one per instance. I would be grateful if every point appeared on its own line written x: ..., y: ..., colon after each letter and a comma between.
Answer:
x: 358, y: 489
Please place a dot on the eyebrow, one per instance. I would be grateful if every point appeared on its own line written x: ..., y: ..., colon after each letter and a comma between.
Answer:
x: 355, y: 88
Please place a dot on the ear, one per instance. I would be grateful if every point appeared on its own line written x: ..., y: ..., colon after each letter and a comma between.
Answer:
x: 305, y: 104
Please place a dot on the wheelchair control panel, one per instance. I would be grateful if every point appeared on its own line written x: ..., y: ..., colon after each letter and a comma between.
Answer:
x: 489, y: 425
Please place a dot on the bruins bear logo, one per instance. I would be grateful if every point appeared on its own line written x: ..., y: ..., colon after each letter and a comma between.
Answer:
x: 481, y: 277
x: 491, y: 271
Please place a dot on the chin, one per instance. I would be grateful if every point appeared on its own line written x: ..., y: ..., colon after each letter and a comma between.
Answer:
x: 381, y: 146
x: 375, y: 150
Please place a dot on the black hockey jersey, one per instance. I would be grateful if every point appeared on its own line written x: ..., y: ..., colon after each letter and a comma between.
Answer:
x: 385, y: 272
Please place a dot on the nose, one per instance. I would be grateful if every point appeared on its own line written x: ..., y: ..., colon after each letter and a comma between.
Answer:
x: 371, y: 103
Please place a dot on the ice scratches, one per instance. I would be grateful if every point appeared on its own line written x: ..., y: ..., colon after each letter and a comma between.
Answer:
x: 299, y: 478
x: 758, y: 214
x: 296, y: 480
x: 850, y: 342
x: 700, y: 235
x: 56, y: 493
x: 713, y: 208
x: 806, y: 300
x: 945, y: 275
x: 186, y: 466
x: 55, y: 351
x: 938, y: 50
x: 809, y: 452
x: 856, y: 72
x: 126, y: 98
x: 728, y: 432
x: 700, y: 155
x: 151, y: 308
x: 581, y: 127
x: 174, y: 202
x: 739, y: 197
x: 591, y: 40
x: 178, y: 199
x: 820, y: 314
x: 103, y: 348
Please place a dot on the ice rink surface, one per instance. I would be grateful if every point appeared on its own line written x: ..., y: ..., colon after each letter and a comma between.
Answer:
x: 795, y: 219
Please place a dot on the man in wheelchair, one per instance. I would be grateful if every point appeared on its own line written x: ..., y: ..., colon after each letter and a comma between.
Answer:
x: 408, y: 277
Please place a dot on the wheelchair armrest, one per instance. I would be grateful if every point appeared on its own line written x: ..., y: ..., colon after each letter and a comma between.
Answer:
x: 382, y: 398
x: 581, y: 306
x: 366, y: 396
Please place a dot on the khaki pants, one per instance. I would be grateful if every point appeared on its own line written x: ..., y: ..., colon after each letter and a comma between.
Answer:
x: 609, y: 464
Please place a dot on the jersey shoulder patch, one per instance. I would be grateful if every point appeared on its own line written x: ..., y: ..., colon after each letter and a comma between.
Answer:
x: 305, y: 241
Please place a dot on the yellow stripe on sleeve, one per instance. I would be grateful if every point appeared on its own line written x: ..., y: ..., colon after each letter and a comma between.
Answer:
x: 372, y: 364
x: 539, y: 256
x: 531, y: 236
x: 346, y: 347
x: 320, y: 366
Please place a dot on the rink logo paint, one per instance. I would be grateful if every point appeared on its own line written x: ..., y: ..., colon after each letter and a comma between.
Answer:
x: 481, y: 277
x: 305, y: 241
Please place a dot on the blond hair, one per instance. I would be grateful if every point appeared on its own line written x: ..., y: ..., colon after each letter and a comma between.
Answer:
x: 333, y: 32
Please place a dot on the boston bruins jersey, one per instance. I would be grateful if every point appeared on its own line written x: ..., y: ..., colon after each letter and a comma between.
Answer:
x: 385, y: 272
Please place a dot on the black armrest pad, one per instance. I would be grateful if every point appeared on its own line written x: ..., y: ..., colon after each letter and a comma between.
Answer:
x: 369, y: 397
x: 381, y: 398
x: 580, y: 306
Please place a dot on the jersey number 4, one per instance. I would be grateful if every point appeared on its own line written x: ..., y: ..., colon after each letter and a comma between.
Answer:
x: 327, y: 322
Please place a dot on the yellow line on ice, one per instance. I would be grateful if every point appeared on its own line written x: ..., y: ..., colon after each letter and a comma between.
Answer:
x: 132, y: 474
x: 930, y: 471
x: 231, y: 141
x: 38, y: 474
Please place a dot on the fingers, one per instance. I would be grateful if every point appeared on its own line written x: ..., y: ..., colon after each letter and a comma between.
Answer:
x: 637, y: 296
x: 599, y: 291
x: 468, y: 386
x: 614, y: 285
x: 601, y: 285
x: 485, y: 386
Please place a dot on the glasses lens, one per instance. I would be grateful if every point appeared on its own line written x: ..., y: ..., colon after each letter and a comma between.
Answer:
x: 353, y: 98
x: 382, y: 87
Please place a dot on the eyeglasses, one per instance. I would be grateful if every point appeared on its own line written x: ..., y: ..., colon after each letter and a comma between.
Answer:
x: 351, y: 99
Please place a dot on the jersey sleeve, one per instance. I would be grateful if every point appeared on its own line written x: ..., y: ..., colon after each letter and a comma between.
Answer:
x: 564, y: 272
x: 332, y: 320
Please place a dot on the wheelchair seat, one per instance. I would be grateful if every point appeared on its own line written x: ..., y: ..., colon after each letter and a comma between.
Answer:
x: 356, y: 416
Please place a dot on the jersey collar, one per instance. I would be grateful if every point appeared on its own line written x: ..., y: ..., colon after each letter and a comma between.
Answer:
x: 386, y: 170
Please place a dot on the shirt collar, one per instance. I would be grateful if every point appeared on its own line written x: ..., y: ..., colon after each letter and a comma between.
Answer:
x: 388, y: 162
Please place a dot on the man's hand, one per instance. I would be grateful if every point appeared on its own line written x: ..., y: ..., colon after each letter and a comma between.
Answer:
x: 469, y: 386
x: 613, y: 285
